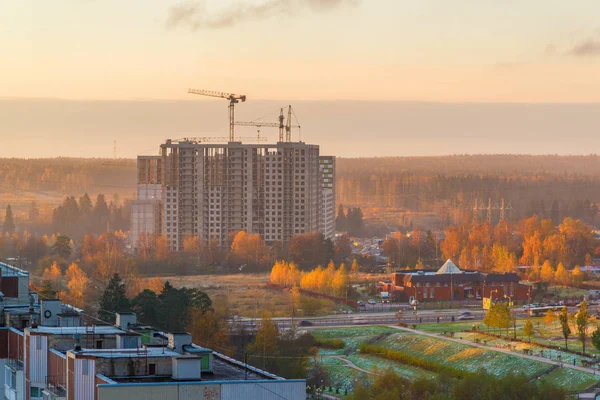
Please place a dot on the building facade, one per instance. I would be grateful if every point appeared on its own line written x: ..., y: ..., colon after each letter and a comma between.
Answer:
x: 48, y: 352
x: 327, y: 172
x: 212, y: 190
x: 451, y: 283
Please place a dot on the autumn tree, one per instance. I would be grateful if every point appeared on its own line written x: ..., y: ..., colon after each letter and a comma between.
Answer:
x: 581, y: 322
x: 161, y: 248
x: 308, y: 250
x: 339, y: 283
x: 561, y: 275
x: 265, y: 343
x: 354, y: 269
x: 549, y: 318
x: 209, y: 330
x: 528, y: 329
x: 53, y: 275
x: 564, y: 324
x: 577, y: 275
x: 547, y: 273
x: 77, y: 282
x: 249, y: 248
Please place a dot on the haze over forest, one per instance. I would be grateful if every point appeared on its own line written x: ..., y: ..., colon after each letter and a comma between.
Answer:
x: 77, y: 128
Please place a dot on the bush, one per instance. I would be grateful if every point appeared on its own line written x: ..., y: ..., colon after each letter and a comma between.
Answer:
x: 330, y: 343
x: 412, y: 360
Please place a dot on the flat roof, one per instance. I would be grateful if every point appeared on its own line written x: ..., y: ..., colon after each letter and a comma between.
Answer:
x: 82, y: 330
x: 129, y: 353
x: 9, y: 270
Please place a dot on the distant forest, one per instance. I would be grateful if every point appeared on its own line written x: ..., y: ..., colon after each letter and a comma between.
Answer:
x: 447, y: 186
x: 549, y: 186
x: 68, y: 176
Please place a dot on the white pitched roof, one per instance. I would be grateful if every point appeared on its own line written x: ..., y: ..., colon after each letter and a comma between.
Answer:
x: 449, y: 268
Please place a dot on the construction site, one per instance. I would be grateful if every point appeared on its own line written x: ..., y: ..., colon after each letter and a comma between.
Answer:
x: 211, y: 187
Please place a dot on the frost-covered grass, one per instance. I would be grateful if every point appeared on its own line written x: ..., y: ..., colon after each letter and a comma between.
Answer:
x: 374, y: 363
x: 570, y: 379
x: 519, y: 347
x: 352, y: 337
x: 462, y: 356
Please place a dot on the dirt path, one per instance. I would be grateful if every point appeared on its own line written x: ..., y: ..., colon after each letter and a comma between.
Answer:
x: 498, y: 350
x: 351, y: 364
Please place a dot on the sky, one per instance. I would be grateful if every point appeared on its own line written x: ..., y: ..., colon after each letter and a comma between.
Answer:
x: 306, y: 52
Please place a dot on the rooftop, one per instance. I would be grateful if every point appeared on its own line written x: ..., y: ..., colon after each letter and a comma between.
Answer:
x: 82, y: 330
x: 9, y: 270
x: 129, y: 353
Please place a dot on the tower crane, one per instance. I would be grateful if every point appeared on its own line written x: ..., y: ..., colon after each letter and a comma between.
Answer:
x: 233, y: 100
x: 287, y: 126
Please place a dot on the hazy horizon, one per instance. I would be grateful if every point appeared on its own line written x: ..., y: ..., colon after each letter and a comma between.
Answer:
x: 75, y: 128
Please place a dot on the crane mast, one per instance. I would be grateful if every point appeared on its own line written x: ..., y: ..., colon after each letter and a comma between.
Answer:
x: 287, y: 126
x: 233, y: 100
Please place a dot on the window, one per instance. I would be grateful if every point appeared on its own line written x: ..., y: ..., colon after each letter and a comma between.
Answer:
x: 151, y: 369
x: 34, y: 392
x: 431, y: 293
x: 85, y: 367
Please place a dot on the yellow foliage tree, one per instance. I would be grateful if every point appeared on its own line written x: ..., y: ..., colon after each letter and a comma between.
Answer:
x: 577, y: 275
x: 339, y: 282
x: 354, y: 269
x: 77, y: 284
x: 561, y: 276
x: 53, y: 274
x: 547, y: 273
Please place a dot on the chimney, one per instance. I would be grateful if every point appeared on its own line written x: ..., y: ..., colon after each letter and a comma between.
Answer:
x: 125, y: 320
x: 178, y: 340
x: 77, y: 340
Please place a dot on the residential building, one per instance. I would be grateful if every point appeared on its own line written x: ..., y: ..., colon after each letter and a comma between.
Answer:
x: 58, y: 357
x: 327, y: 170
x: 213, y: 190
x: 451, y: 283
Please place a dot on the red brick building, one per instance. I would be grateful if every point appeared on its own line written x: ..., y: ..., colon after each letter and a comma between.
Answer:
x: 449, y: 282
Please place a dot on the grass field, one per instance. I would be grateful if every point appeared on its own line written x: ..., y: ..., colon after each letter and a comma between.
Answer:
x: 439, y: 350
x: 247, y: 294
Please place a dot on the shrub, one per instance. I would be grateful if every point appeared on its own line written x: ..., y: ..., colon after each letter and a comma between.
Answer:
x: 330, y: 343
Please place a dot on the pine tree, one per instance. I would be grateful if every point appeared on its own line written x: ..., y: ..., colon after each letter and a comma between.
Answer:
x: 113, y: 299
x: 340, y: 221
x: 9, y: 223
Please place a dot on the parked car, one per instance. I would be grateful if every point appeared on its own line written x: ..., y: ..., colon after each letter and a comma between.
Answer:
x: 361, y: 303
x: 465, y: 315
x: 305, y: 323
x: 371, y: 301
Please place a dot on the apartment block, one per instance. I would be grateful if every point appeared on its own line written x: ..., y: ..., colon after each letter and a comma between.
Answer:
x: 327, y: 173
x: 214, y: 190
x: 47, y: 351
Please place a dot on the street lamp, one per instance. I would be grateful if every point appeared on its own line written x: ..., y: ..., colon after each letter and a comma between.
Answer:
x: 512, y: 308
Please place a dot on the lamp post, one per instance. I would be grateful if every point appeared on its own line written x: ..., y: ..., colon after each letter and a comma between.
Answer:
x: 511, y: 305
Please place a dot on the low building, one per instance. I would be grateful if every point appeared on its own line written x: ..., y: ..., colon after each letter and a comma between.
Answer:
x: 451, y: 283
x: 56, y: 356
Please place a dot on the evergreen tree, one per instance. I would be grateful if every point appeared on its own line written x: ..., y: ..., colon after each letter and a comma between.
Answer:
x: 62, y: 247
x: 113, y: 299
x: 34, y: 211
x: 340, y: 220
x: 9, y: 223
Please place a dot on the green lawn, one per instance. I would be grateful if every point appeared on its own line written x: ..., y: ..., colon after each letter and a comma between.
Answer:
x: 439, y: 350
x: 570, y: 379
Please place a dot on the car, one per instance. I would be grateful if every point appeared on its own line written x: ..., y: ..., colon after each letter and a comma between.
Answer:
x: 305, y: 323
x: 361, y: 303
x: 465, y: 315
x: 371, y: 301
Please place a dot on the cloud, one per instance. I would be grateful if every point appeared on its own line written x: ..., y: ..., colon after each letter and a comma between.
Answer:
x: 586, y: 48
x: 193, y: 15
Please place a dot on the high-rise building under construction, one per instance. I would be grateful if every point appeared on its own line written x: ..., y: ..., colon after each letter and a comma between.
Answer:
x: 212, y: 190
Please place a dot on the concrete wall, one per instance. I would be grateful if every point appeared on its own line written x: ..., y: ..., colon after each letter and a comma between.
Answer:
x: 236, y: 390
